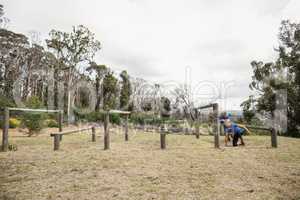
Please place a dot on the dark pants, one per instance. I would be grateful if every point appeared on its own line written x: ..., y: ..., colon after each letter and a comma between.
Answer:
x: 235, y: 139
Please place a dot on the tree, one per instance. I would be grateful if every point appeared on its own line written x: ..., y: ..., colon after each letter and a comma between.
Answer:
x: 184, y: 99
x: 125, y: 90
x: 166, y: 106
x: 99, y: 71
x: 72, y: 49
x: 282, y: 74
x: 110, y: 90
x: 13, y: 50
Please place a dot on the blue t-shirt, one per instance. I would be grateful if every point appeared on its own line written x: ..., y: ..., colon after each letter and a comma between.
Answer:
x: 234, y: 129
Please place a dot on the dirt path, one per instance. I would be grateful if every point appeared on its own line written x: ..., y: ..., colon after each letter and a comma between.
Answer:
x: 187, y: 169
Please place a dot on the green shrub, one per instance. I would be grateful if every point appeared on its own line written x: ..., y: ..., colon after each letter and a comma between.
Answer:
x: 6, y: 102
x: 115, y: 118
x: 51, y: 123
x: 97, y: 117
x: 33, y: 121
x: 34, y: 102
x: 14, y: 123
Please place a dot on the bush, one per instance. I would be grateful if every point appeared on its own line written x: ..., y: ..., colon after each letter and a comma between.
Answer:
x: 14, y: 123
x: 33, y: 121
x: 115, y: 118
x: 97, y: 117
x: 51, y: 123
x: 5, y: 102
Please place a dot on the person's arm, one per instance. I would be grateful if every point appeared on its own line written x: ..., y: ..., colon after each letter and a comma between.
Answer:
x: 244, y: 127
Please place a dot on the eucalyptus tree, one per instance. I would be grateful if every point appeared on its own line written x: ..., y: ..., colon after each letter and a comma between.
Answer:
x: 282, y: 74
x: 126, y: 90
x: 98, y: 72
x: 73, y: 50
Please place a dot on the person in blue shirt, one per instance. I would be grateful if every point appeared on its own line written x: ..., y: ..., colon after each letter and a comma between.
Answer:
x: 227, y: 130
x: 233, y: 129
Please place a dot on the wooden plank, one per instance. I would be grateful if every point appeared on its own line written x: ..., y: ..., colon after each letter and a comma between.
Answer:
x: 206, y: 106
x: 259, y: 128
x: 119, y: 112
x: 70, y: 131
x: 34, y: 110
x: 5, y: 130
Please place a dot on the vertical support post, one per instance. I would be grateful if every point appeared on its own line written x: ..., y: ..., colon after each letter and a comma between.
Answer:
x: 163, y: 140
x: 197, y: 130
x: 93, y: 134
x: 56, y: 142
x: 216, y: 126
x: 274, y: 138
x: 106, y: 132
x: 197, y: 133
x: 60, y: 122
x: 5, y: 130
x: 126, y: 128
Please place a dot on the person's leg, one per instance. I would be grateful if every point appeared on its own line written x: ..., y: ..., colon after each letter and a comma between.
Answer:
x: 241, y: 137
x: 226, y: 139
x: 235, y: 140
x: 242, y: 141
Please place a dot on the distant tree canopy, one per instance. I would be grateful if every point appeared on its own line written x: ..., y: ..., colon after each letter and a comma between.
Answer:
x: 125, y: 90
x: 110, y: 91
x: 282, y: 74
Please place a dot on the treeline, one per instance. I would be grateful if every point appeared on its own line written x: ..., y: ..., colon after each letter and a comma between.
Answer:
x: 277, y: 83
x: 30, y: 69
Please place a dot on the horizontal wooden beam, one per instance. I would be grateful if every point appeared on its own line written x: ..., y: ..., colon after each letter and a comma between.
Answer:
x: 34, y: 110
x: 259, y: 128
x: 206, y: 106
x: 120, y: 112
x: 70, y: 131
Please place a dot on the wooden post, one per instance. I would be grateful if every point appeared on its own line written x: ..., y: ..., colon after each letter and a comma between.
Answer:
x: 274, y: 138
x: 106, y: 132
x: 163, y: 140
x: 126, y: 128
x: 197, y: 131
x: 5, y: 130
x: 216, y: 125
x: 93, y: 134
x: 56, y: 142
x: 60, y: 122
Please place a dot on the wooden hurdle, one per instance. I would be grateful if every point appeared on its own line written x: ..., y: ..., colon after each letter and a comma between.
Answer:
x: 272, y: 131
x: 57, y: 136
x: 216, y: 129
x: 6, y: 122
x: 106, y: 126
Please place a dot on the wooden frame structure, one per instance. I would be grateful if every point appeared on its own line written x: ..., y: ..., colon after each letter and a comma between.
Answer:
x: 215, y: 108
x: 6, y: 121
x: 272, y: 131
x: 106, y: 126
x: 216, y: 129
x: 58, y: 135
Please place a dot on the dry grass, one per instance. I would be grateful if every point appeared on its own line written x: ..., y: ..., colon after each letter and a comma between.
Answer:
x: 138, y: 169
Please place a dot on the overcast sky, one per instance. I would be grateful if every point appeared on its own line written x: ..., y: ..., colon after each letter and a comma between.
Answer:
x: 157, y: 39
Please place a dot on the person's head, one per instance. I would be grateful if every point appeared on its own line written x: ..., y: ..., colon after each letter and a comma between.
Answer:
x: 227, y: 123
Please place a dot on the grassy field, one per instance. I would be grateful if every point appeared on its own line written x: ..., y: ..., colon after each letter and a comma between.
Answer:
x: 138, y: 169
